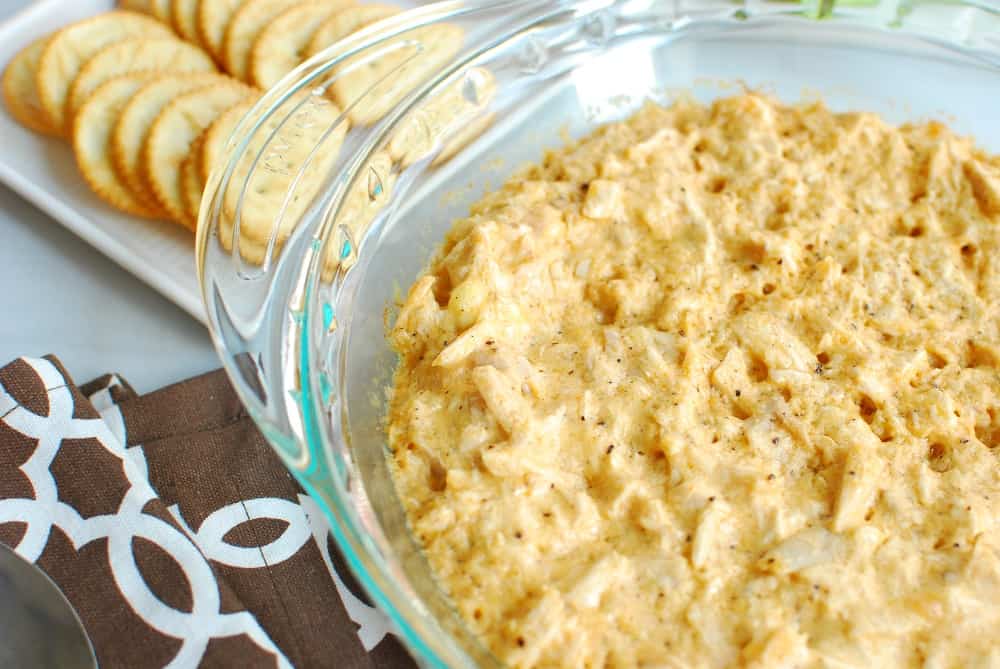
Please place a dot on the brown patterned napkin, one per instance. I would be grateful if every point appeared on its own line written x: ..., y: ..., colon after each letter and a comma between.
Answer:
x: 173, y: 529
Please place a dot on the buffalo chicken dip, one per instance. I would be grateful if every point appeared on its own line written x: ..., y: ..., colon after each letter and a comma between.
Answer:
x: 714, y: 386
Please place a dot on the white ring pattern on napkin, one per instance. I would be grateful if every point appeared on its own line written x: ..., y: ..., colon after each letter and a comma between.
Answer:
x: 190, y: 550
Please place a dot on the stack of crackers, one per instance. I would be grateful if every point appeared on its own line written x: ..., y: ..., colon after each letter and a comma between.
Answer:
x: 149, y: 94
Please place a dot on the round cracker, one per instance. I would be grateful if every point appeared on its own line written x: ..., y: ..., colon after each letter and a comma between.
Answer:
x: 281, y: 47
x: 136, y: 55
x: 20, y: 93
x: 170, y: 138
x: 346, y: 22
x: 213, y: 17
x: 356, y: 213
x: 143, y: 6
x: 267, y: 189
x: 361, y: 204
x: 370, y: 88
x: 184, y: 18
x: 74, y: 45
x: 216, y: 138
x: 192, y: 185
x: 462, y: 138
x: 260, y: 196
x: 160, y: 9
x: 137, y: 118
x: 449, y: 115
x: 244, y: 27
x: 92, y: 141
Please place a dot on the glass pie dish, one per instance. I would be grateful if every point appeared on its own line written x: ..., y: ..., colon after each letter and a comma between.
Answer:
x: 319, y: 216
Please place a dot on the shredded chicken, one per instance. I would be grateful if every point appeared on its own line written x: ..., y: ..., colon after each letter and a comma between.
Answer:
x: 716, y: 386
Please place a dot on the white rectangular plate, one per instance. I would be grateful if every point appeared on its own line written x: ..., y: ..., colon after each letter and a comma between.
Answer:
x: 44, y: 172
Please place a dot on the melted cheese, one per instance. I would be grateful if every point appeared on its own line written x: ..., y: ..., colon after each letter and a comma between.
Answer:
x: 716, y: 386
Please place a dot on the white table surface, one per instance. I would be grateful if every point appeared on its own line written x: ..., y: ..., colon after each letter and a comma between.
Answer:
x: 61, y: 296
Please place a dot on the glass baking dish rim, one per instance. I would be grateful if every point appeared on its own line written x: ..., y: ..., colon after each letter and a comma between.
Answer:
x: 337, y: 503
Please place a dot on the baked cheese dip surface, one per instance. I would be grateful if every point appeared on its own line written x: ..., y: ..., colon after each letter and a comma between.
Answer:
x: 715, y: 386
